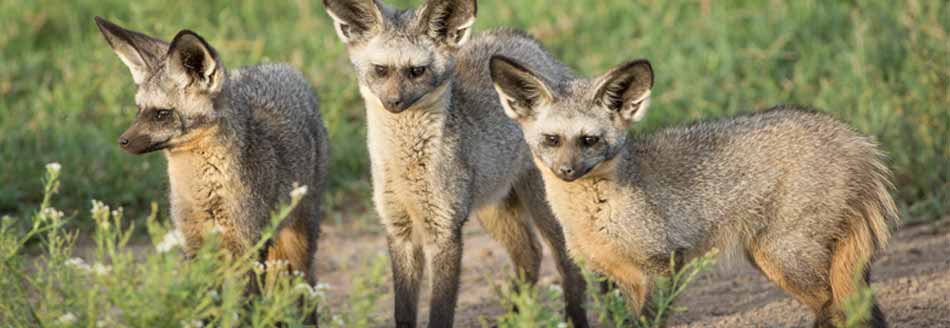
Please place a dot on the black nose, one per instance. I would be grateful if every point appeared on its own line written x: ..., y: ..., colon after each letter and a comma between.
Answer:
x: 394, y: 103
x: 123, y: 141
x: 566, y: 170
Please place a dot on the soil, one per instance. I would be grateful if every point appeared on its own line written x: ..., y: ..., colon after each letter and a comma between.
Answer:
x: 911, y: 282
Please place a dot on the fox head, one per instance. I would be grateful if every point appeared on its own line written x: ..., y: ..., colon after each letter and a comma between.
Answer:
x: 177, y: 84
x: 572, y: 127
x: 403, y: 58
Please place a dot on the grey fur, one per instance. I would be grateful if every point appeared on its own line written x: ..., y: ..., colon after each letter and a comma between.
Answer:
x: 449, y: 152
x: 236, y: 142
x: 802, y: 195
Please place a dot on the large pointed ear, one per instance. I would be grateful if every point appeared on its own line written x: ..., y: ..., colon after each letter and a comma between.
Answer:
x: 140, y: 52
x: 193, y: 63
x: 354, y: 19
x: 447, y: 21
x: 520, y: 90
x: 625, y: 91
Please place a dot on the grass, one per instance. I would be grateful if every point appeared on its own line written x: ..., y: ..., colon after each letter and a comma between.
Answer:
x: 531, y: 306
x: 117, y: 285
x: 883, y: 66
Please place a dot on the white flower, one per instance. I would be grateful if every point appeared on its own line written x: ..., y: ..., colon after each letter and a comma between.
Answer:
x: 217, y: 229
x: 259, y: 267
x: 338, y: 320
x: 53, y: 168
x: 299, y: 273
x: 98, y: 206
x: 193, y: 324
x: 171, y: 240
x: 555, y: 288
x: 100, y: 213
x: 561, y: 325
x: 52, y: 213
x: 215, y: 296
x: 306, y: 288
x: 298, y: 192
x: 276, y: 264
x: 67, y: 318
x: 313, y: 291
x: 101, y: 269
x: 78, y: 263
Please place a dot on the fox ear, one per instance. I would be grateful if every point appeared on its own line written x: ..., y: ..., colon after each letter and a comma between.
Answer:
x: 193, y: 63
x: 354, y: 19
x: 448, y: 21
x: 140, y: 52
x: 519, y: 90
x: 625, y: 90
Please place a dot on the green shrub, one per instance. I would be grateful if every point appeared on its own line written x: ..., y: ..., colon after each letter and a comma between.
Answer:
x: 529, y: 306
x: 47, y: 280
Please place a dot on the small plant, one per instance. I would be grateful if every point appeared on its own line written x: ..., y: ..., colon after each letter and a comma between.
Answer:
x: 859, y: 308
x: 527, y: 306
x: 368, y: 288
x: 530, y: 306
x: 48, y: 280
x: 610, y: 307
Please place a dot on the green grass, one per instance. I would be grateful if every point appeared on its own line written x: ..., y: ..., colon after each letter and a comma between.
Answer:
x: 531, y: 306
x: 883, y: 66
x: 118, y: 285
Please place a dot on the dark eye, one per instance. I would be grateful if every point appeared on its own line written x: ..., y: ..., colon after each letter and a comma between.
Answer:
x: 417, y: 71
x: 162, y: 114
x: 380, y: 70
x: 589, y: 141
x: 551, y: 140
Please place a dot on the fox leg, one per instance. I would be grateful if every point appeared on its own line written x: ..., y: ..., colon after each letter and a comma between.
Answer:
x: 443, y: 250
x: 408, y: 265
x: 805, y: 277
x: 506, y: 223
x: 531, y: 194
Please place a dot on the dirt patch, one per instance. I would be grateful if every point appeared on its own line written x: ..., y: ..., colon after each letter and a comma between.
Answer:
x: 911, y: 280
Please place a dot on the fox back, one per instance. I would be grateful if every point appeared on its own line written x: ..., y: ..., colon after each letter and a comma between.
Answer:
x: 237, y: 142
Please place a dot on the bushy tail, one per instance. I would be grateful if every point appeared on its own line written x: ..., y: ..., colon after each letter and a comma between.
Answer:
x: 872, y: 211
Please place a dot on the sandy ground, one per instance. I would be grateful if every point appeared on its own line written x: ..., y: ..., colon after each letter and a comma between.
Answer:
x: 912, y: 282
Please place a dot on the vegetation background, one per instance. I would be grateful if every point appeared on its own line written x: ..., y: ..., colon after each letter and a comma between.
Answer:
x: 882, y: 66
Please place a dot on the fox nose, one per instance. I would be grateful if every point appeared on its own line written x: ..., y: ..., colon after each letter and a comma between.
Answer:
x: 123, y: 142
x: 566, y: 170
x: 395, y: 103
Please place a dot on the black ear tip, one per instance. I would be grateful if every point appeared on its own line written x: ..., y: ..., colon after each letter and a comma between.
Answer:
x: 640, y: 63
x: 186, y: 32
x: 644, y: 65
x: 499, y: 63
x: 504, y: 60
x: 189, y: 36
x: 102, y: 23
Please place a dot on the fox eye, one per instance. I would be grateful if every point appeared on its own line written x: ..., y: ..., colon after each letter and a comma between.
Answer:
x: 380, y: 70
x: 589, y: 141
x: 162, y: 114
x: 417, y: 71
x: 551, y: 140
